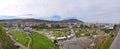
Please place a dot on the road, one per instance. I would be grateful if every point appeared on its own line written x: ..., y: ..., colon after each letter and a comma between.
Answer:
x: 72, y: 32
x: 116, y: 42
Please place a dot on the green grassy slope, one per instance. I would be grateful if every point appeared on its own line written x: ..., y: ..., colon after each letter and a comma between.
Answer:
x: 107, y: 43
x: 20, y: 37
x: 41, y: 42
x: 6, y: 44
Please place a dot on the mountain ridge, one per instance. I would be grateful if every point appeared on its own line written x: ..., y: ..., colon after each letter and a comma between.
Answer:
x: 40, y: 20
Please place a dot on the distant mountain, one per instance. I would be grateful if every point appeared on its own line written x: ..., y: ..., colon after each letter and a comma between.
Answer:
x: 39, y: 20
x: 71, y: 20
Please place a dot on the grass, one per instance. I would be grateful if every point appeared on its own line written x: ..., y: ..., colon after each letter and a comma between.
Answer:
x: 4, y: 39
x: 107, y: 43
x: 78, y: 34
x: 86, y: 31
x: 41, y: 42
x: 20, y: 37
x: 38, y: 41
x: 57, y: 33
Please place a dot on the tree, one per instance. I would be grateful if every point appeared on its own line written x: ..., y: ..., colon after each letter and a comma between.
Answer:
x: 56, y: 26
x: 43, y: 25
x: 115, y: 26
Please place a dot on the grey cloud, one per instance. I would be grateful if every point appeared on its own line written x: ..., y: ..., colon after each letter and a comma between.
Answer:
x: 87, y: 10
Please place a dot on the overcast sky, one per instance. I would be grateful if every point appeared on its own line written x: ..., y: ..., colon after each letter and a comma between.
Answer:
x: 106, y: 11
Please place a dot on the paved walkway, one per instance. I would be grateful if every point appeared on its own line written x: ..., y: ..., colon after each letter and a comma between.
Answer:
x: 30, y: 40
x: 76, y: 43
x: 116, y: 42
x: 22, y: 46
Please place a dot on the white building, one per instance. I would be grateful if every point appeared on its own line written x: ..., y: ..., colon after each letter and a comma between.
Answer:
x: 28, y: 29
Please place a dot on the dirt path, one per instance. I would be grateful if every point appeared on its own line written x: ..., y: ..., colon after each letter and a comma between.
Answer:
x: 22, y: 46
x: 29, y: 41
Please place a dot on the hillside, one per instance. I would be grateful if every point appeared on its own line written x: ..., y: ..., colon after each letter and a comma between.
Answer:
x: 4, y: 40
x: 39, y: 20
